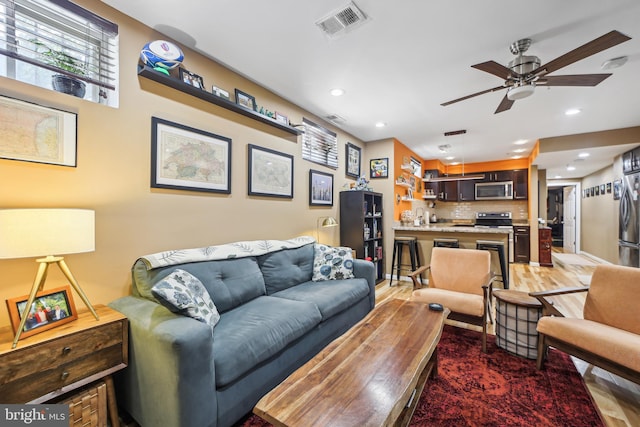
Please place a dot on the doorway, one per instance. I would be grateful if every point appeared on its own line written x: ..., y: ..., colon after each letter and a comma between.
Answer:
x: 563, y: 216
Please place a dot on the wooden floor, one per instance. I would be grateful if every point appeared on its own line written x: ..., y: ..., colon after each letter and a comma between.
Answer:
x: 617, y: 399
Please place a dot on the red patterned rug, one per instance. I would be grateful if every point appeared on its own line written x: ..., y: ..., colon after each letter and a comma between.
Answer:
x: 497, y: 389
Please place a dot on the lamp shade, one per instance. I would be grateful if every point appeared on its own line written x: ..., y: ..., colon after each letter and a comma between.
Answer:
x: 28, y: 233
x: 329, y: 222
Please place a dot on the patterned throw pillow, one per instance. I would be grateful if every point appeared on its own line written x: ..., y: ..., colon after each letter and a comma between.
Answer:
x: 331, y: 263
x: 183, y: 293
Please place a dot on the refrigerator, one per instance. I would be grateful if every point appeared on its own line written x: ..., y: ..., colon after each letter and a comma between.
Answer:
x: 629, y: 222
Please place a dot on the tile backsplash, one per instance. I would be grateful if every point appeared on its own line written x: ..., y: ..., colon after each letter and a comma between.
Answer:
x: 467, y: 210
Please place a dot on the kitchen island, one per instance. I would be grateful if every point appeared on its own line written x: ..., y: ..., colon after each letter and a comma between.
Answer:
x: 466, y: 234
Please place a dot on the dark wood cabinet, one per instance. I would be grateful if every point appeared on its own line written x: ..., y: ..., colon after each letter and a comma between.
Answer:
x: 544, y: 246
x: 466, y: 191
x: 361, y: 227
x: 522, y: 241
x: 521, y: 184
x: 448, y: 191
x: 497, y: 176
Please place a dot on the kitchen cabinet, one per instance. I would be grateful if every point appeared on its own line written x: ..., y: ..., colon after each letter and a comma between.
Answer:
x: 521, y: 184
x: 521, y: 243
x: 466, y: 191
x: 361, y: 227
x: 544, y: 244
x: 497, y: 176
x: 448, y: 191
x: 431, y: 189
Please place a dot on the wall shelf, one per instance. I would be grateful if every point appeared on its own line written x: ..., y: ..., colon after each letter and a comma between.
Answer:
x: 176, y: 84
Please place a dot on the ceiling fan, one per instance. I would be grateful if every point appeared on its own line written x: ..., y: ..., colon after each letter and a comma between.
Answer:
x: 524, y: 72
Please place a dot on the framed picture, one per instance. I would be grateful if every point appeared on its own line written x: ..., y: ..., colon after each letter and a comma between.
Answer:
x: 592, y: 191
x: 270, y: 173
x: 597, y: 190
x: 191, y: 79
x: 51, y: 308
x: 39, y: 134
x: 219, y: 92
x: 245, y: 100
x: 416, y: 166
x: 352, y: 156
x: 184, y: 158
x: 602, y: 187
x: 320, y: 188
x: 379, y: 168
x: 608, y: 187
x: 617, y: 189
x: 281, y: 118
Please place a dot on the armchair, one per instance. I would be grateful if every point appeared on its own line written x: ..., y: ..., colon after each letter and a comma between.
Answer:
x: 461, y: 280
x: 609, y: 334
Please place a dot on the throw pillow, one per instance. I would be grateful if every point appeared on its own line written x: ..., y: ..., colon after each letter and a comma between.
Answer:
x: 332, y: 263
x: 183, y: 293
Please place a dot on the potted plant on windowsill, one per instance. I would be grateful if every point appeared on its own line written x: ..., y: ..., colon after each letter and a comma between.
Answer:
x: 63, y: 82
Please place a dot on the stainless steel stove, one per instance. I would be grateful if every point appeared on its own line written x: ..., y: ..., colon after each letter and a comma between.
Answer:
x: 500, y: 220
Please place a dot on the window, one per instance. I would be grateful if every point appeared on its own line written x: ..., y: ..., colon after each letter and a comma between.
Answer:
x: 40, y: 39
x: 319, y: 145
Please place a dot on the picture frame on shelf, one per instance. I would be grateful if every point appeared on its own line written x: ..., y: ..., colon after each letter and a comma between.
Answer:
x: 379, y: 168
x: 245, y: 100
x: 281, y: 118
x: 51, y: 137
x: 220, y: 92
x: 192, y: 79
x: 352, y: 158
x: 320, y: 188
x: 51, y: 308
x: 185, y: 158
x: 270, y: 172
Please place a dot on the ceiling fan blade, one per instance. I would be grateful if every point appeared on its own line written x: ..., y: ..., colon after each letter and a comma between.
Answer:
x: 499, y: 70
x: 572, y: 80
x: 472, y: 95
x: 601, y: 43
x: 505, y: 104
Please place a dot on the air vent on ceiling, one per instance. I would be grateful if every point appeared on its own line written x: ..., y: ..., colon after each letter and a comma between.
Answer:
x: 335, y: 119
x: 342, y: 20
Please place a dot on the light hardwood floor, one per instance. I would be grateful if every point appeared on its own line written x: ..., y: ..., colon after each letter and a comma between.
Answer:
x: 617, y: 399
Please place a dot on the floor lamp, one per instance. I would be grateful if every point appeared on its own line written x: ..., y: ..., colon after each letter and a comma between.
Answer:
x: 47, y: 233
x: 327, y: 221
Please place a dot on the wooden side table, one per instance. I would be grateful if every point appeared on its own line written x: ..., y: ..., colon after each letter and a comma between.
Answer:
x: 49, y: 364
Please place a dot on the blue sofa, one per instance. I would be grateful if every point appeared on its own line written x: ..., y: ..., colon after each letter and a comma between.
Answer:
x: 273, y: 318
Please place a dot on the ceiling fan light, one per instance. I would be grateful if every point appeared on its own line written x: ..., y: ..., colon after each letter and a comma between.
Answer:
x: 519, y: 92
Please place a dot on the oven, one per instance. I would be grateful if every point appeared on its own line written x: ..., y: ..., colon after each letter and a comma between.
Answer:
x: 499, y: 220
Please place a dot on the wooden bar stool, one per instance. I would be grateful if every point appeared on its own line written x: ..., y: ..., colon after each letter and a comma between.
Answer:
x: 442, y: 242
x: 396, y: 262
x: 498, y: 247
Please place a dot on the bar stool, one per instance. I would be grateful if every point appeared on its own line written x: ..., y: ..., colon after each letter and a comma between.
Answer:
x: 442, y: 242
x: 398, y: 245
x: 498, y: 247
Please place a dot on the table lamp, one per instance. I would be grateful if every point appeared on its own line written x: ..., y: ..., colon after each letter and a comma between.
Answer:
x: 47, y: 233
x: 327, y: 221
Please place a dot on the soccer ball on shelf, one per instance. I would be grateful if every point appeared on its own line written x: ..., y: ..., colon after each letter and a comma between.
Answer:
x: 161, y: 55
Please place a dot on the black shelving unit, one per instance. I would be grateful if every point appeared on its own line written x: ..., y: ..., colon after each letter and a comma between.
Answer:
x: 172, y: 82
x: 361, y: 227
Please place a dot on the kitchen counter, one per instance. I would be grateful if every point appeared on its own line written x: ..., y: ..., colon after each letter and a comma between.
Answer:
x: 450, y: 227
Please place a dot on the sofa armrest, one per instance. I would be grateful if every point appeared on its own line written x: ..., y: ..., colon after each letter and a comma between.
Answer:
x: 170, y: 378
x: 548, y: 307
x: 366, y: 270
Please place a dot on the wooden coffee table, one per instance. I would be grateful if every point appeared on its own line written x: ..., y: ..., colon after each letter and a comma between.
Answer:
x: 372, y: 375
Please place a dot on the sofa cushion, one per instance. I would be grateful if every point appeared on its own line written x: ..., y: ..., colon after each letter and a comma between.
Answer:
x: 259, y: 329
x: 230, y: 282
x: 331, y: 296
x: 183, y: 293
x: 286, y: 268
x: 331, y: 263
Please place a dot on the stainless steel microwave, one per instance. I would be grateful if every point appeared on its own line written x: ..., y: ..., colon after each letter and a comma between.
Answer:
x: 494, y: 190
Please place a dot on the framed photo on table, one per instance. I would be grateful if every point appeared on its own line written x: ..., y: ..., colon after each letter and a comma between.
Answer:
x: 320, y: 188
x: 51, y: 308
x: 352, y: 156
x: 270, y: 173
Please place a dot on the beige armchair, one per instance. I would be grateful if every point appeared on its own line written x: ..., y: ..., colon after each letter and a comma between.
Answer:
x: 609, y: 334
x: 461, y: 280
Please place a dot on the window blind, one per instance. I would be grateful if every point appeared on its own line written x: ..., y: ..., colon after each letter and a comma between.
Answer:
x: 319, y: 145
x: 29, y: 28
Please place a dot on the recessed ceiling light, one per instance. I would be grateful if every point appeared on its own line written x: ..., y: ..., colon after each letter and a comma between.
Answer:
x: 571, y: 168
x: 516, y: 157
x: 572, y: 112
x: 449, y: 157
x: 337, y: 92
x: 520, y: 142
x: 380, y: 124
x: 454, y: 163
x: 557, y: 177
x: 520, y: 150
x: 583, y: 155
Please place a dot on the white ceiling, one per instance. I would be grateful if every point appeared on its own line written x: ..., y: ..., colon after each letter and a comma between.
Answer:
x: 413, y: 55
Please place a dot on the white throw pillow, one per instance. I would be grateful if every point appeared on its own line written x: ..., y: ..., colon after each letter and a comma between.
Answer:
x: 332, y: 263
x: 183, y: 293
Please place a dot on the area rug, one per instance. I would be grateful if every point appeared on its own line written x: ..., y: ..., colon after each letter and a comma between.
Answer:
x: 572, y: 259
x: 497, y: 389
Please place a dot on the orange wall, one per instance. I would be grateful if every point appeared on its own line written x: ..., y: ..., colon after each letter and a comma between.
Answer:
x: 401, y: 153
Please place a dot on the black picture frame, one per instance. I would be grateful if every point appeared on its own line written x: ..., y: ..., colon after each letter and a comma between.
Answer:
x: 185, y: 158
x: 320, y: 188
x: 192, y: 79
x: 245, y: 100
x: 617, y: 189
x: 379, y: 168
x: 270, y: 173
x: 353, y: 156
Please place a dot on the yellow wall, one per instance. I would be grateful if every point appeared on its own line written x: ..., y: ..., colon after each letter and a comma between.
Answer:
x: 113, y: 174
